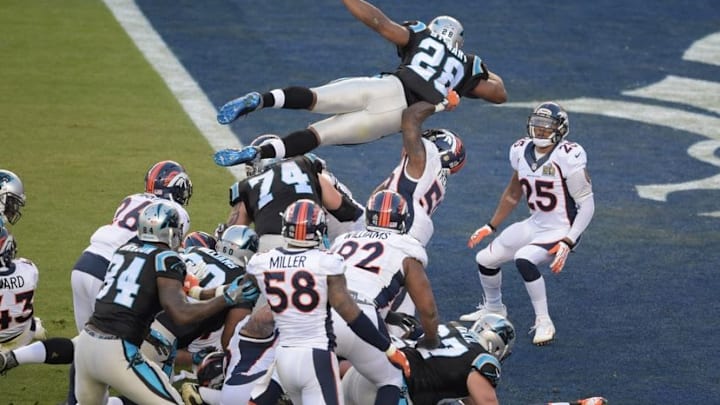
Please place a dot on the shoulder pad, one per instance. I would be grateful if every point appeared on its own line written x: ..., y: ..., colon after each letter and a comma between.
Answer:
x: 414, y: 26
x: 235, y: 193
x: 478, y: 67
x: 487, y: 365
x: 171, y: 262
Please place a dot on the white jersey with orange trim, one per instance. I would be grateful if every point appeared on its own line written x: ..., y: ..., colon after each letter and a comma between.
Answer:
x: 17, y: 290
x: 544, y: 181
x: 294, y: 281
x: 108, y: 238
x: 426, y: 192
x: 374, y: 262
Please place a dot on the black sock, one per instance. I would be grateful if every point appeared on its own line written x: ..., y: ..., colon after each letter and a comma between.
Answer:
x: 300, y: 142
x: 296, y: 98
x: 59, y: 351
x: 296, y: 143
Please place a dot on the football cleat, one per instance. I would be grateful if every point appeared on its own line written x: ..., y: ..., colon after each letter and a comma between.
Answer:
x: 481, y: 311
x: 40, y: 332
x: 233, y: 109
x: 7, y: 361
x: 544, y: 331
x: 191, y: 394
x: 233, y: 157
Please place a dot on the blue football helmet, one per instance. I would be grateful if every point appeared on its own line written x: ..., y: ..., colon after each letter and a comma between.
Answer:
x: 160, y: 222
x: 451, y: 147
x: 239, y: 243
x: 548, y: 115
x: 199, y: 238
x: 386, y: 210
x: 12, y: 196
x: 304, y: 224
x: 169, y: 180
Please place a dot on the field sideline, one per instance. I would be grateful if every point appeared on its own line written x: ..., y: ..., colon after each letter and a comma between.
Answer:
x: 84, y: 116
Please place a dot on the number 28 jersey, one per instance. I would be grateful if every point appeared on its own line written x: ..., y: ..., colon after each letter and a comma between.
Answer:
x: 295, y: 284
x: 430, y: 69
x: 266, y: 195
x: 544, y: 180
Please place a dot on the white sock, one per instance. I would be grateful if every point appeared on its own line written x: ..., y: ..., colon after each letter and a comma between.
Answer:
x: 279, y: 96
x: 492, y: 289
x: 33, y: 353
x: 210, y: 396
x: 538, y: 297
x: 279, y: 147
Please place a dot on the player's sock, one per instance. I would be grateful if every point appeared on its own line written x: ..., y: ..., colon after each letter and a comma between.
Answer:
x: 33, y: 353
x: 294, y: 144
x: 294, y: 98
x: 209, y: 395
x: 491, y: 285
x: 59, y: 351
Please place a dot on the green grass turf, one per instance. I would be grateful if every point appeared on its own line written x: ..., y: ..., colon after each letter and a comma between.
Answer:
x: 82, y: 117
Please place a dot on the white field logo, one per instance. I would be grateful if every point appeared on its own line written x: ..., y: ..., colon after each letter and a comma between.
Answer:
x: 700, y: 94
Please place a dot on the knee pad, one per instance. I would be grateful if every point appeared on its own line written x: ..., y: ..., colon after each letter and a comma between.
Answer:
x: 528, y: 270
x: 486, y: 271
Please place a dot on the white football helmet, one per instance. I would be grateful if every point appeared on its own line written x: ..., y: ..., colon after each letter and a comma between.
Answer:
x: 449, y: 29
x: 12, y: 196
x: 495, y: 333
x: 160, y: 222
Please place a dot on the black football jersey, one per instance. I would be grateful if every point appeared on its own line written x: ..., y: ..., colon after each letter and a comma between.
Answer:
x: 442, y: 372
x: 128, y: 302
x: 219, y: 270
x: 429, y: 69
x: 266, y: 195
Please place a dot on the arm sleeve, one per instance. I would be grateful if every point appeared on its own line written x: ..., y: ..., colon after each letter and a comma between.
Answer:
x: 580, y: 189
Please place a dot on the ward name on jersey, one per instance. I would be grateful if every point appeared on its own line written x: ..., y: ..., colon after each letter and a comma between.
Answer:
x: 17, y: 289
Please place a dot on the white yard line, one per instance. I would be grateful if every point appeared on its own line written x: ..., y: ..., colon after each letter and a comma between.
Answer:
x: 191, y: 97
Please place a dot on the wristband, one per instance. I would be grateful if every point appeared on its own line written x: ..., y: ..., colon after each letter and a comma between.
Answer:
x: 195, y: 292
x: 491, y: 227
x: 220, y: 291
x: 567, y: 242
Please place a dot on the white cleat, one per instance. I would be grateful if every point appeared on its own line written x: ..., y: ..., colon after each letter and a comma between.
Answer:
x: 481, y: 311
x: 544, y: 331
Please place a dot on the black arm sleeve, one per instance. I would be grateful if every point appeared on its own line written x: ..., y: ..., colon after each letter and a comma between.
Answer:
x: 348, y: 210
